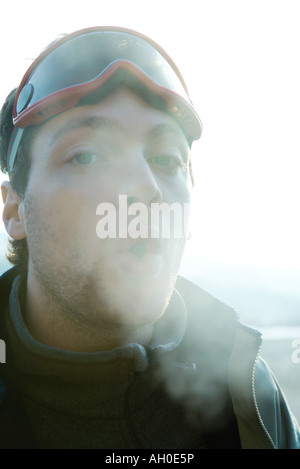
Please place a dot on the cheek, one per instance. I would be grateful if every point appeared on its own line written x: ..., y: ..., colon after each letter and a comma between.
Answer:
x: 62, y: 214
x: 57, y: 214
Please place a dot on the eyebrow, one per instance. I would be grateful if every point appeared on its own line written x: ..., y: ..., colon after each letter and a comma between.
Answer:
x: 91, y: 122
x: 102, y: 122
x: 165, y: 128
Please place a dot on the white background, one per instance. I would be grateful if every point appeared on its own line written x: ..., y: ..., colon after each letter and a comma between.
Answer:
x: 240, y: 60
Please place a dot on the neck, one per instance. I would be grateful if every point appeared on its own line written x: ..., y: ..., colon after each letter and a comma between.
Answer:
x: 52, y: 326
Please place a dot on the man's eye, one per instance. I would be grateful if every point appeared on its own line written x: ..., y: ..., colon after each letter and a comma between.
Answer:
x: 164, y: 160
x: 168, y: 162
x: 84, y: 158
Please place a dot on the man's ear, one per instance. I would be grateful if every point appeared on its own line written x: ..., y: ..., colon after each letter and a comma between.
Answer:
x: 13, y: 215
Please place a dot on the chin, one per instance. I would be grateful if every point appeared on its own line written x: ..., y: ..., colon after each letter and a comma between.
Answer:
x: 141, y: 304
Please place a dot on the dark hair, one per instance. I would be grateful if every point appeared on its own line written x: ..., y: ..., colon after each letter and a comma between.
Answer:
x: 17, y: 250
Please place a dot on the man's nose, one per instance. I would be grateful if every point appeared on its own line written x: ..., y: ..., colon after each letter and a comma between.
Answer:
x: 139, y: 183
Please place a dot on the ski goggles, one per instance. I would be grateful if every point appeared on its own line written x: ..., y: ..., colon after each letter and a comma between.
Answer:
x: 86, y: 65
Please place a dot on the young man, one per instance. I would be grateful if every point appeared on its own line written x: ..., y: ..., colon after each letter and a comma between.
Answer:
x: 105, y: 346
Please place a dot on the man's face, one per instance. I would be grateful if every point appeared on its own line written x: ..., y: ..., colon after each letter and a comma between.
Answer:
x: 91, y: 155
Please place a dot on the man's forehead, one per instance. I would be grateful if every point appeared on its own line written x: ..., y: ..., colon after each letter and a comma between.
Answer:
x: 121, y: 113
x: 112, y: 125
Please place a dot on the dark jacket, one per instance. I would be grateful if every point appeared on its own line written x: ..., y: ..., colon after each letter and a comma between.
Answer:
x: 218, y: 354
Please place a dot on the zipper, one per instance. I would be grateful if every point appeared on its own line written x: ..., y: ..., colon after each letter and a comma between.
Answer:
x: 256, y: 404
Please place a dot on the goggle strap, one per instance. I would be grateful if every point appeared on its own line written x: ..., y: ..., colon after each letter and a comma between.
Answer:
x: 13, y: 147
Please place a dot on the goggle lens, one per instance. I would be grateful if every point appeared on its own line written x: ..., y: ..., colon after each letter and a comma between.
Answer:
x: 86, y: 57
x: 85, y: 61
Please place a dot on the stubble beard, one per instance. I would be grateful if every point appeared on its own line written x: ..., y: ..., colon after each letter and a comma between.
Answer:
x: 90, y: 302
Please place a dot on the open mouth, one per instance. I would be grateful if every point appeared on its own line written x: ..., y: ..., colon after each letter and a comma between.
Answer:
x: 139, y: 249
x: 143, y: 258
